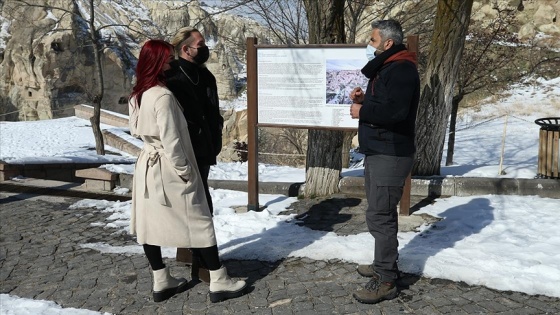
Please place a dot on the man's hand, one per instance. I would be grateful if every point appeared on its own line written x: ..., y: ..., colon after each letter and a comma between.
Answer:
x: 357, y: 95
x: 355, y: 110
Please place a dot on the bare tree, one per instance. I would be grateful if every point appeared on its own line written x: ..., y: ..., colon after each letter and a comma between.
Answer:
x: 285, y: 18
x: 99, y: 91
x: 296, y: 137
x: 354, y: 11
x: 282, y: 146
x: 324, y: 149
x: 416, y: 17
x: 488, y: 62
x: 446, y: 49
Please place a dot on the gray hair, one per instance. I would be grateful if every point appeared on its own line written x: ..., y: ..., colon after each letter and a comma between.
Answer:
x: 389, y: 29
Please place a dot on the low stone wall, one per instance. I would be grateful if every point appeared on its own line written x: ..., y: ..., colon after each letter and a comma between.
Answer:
x: 109, y: 138
x: 467, y: 186
x: 56, y: 171
x: 115, y: 141
x: 422, y: 187
x: 86, y: 112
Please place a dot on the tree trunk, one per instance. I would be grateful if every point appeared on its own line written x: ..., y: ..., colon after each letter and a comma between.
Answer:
x: 99, y: 87
x: 324, y: 150
x: 326, y: 21
x: 452, y: 128
x: 324, y: 162
x: 446, y: 49
x: 346, y: 146
x: 95, y: 121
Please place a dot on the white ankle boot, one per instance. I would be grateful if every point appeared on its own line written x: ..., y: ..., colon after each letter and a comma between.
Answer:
x: 165, y: 286
x: 222, y: 287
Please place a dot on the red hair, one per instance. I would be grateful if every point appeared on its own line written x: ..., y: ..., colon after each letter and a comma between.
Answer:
x: 149, y: 70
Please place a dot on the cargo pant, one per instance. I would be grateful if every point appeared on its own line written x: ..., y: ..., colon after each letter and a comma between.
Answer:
x: 384, y: 180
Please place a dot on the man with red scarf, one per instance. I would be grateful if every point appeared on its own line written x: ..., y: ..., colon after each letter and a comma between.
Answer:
x: 387, y: 117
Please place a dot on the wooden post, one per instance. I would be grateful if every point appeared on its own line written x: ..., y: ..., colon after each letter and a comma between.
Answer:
x: 500, y: 169
x: 555, y: 153
x: 542, y: 153
x: 252, y: 120
x: 404, y: 205
x: 412, y: 44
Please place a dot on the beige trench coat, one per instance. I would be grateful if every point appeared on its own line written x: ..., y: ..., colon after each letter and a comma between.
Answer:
x: 169, y: 207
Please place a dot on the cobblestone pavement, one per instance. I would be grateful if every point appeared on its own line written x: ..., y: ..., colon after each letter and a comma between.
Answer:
x: 41, y: 258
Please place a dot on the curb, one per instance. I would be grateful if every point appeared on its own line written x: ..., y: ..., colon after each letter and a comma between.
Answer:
x: 423, y: 187
x: 466, y: 186
x: 354, y: 186
x: 280, y: 188
x: 60, y: 189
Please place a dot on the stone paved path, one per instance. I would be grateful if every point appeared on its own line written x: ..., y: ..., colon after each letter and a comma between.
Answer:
x: 41, y: 258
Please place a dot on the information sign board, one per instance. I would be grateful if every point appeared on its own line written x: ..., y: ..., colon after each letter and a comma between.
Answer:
x: 308, y: 87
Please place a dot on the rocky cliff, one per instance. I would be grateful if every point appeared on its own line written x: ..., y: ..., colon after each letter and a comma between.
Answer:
x: 47, y: 63
x: 46, y: 60
x: 534, y: 17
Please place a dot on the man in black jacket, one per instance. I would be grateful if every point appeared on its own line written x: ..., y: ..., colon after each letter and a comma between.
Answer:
x: 195, y: 88
x: 386, y: 131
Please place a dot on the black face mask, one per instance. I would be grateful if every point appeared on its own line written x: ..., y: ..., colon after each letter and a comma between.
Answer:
x: 202, y: 55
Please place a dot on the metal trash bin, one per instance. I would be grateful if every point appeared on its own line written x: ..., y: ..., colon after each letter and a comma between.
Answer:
x: 549, y: 150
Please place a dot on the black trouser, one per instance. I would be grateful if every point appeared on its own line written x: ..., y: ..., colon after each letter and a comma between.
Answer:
x: 208, y: 255
x: 204, y: 172
x: 384, y: 179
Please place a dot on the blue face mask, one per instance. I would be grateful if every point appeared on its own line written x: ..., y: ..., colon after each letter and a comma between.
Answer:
x: 370, y: 52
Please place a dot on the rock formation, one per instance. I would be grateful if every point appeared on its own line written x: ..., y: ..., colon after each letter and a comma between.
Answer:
x: 46, y: 59
x: 47, y: 64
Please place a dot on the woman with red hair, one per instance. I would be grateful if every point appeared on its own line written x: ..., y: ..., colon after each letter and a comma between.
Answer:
x: 169, y: 206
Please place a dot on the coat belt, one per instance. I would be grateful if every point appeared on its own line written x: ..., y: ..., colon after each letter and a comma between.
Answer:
x: 154, y: 163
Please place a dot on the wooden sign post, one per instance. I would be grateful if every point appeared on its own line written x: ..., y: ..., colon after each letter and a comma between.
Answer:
x: 404, y: 206
x: 252, y: 121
